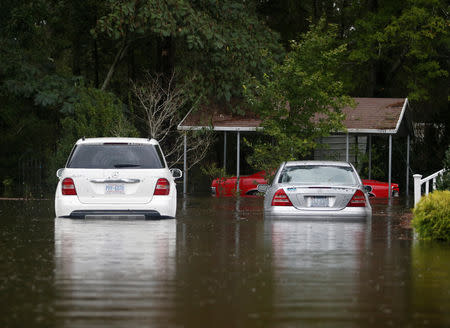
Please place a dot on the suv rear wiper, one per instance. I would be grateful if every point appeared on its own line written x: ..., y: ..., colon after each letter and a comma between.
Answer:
x: 126, y: 165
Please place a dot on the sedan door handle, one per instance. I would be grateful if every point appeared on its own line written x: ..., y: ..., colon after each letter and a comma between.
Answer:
x: 115, y: 180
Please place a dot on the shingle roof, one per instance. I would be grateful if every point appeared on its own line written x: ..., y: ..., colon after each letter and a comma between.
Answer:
x: 371, y: 115
x: 375, y: 114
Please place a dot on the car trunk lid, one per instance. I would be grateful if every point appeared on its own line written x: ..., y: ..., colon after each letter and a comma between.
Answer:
x: 320, y: 197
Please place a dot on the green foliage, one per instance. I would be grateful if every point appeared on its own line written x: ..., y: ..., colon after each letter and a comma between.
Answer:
x: 363, y: 163
x: 212, y: 171
x: 443, y: 182
x: 406, y: 38
x: 218, y: 43
x: 300, y: 100
x: 97, y: 114
x: 50, y: 49
x: 432, y: 216
x: 47, y: 91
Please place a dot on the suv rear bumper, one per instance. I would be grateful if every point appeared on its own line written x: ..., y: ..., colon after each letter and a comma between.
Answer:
x: 165, y: 206
x: 117, y: 214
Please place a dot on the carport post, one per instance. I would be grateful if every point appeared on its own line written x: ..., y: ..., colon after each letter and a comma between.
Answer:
x: 407, y: 165
x: 390, y: 165
x: 225, y: 151
x: 185, y: 165
x: 346, y: 147
x: 370, y: 156
x: 238, y: 160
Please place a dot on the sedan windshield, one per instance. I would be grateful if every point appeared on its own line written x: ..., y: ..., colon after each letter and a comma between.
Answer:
x: 318, y: 175
x: 116, y: 156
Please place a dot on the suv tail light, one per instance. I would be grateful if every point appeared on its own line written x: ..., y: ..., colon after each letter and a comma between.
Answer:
x: 68, y: 187
x: 358, y: 199
x: 162, y: 187
x: 281, y: 199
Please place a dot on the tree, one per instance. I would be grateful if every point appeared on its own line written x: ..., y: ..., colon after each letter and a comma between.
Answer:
x: 96, y: 114
x: 159, y: 104
x: 215, y: 44
x: 300, y: 100
x: 399, y: 49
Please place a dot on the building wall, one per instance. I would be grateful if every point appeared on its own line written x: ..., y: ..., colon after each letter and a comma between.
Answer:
x: 334, y: 148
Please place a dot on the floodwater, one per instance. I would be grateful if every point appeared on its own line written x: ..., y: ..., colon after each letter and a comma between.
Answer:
x: 219, y: 264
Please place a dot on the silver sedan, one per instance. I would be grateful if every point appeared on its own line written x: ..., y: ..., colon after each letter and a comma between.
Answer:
x: 316, y: 190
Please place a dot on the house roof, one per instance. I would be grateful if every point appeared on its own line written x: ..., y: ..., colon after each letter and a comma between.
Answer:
x: 370, y: 116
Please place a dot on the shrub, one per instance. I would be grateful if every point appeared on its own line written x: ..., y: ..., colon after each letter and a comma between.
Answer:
x: 96, y: 114
x: 432, y: 216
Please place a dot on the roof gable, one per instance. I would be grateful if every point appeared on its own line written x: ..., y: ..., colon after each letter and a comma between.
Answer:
x: 371, y: 115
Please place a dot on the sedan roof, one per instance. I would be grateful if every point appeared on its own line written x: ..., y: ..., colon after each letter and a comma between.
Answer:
x: 325, y: 163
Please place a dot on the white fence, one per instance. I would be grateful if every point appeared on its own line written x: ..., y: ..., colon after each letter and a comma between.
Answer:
x: 418, y: 182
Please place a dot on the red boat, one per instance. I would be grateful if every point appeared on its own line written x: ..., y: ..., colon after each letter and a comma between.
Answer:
x: 248, y: 186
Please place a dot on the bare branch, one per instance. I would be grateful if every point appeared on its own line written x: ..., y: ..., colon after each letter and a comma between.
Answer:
x: 160, y: 102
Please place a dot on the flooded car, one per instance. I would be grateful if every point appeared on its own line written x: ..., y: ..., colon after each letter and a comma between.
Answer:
x: 248, y: 186
x: 116, y: 177
x: 380, y: 189
x: 316, y: 190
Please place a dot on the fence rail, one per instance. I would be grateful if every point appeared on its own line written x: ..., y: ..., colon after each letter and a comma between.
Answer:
x: 418, y: 182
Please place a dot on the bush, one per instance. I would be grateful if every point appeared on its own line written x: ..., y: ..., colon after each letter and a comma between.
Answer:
x: 432, y: 216
x: 96, y: 114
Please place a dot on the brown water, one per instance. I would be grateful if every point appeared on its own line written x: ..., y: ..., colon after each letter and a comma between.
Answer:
x: 219, y: 264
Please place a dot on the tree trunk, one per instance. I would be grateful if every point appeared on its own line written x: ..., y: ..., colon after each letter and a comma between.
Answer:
x: 131, y: 65
x: 316, y: 10
x: 372, y: 5
x: 117, y: 59
x: 76, y: 54
x: 96, y: 78
x: 371, y: 83
x: 166, y: 55
x: 342, y: 18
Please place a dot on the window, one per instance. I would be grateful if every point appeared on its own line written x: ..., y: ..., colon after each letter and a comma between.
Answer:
x: 318, y: 175
x: 115, y: 156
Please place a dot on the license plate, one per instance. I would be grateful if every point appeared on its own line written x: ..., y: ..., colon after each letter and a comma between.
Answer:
x: 115, y: 189
x: 319, y: 201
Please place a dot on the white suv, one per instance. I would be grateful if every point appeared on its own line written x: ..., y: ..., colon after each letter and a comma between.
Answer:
x: 116, y: 177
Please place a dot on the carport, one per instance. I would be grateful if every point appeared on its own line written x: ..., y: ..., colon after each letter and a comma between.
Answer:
x: 371, y: 117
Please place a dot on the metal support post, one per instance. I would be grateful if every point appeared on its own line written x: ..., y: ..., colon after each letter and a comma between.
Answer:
x: 370, y: 156
x: 407, y: 165
x: 390, y: 166
x: 225, y: 151
x: 238, y: 160
x: 346, y: 147
x: 185, y: 165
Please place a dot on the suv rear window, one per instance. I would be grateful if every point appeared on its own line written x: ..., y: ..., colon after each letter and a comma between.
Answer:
x: 115, y: 156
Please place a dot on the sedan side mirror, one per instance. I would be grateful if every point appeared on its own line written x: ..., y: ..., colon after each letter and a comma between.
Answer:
x: 176, y: 173
x: 262, y: 188
x: 59, y: 173
x: 368, y: 189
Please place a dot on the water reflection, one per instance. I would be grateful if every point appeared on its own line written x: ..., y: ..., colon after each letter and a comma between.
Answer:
x: 224, y: 270
x: 220, y: 264
x: 114, y: 272
x: 431, y: 281
x: 316, y: 271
